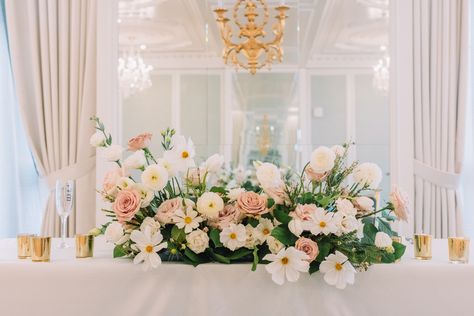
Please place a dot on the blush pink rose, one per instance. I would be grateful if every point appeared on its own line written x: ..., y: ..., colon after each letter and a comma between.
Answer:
x: 400, y: 204
x: 309, y: 247
x: 303, y: 211
x: 139, y: 142
x: 252, y: 204
x: 167, y: 209
x: 230, y: 214
x: 110, y: 180
x: 315, y: 176
x: 126, y: 205
x: 278, y: 194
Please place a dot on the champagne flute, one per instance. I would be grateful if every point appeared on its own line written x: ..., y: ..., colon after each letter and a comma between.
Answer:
x: 64, y: 203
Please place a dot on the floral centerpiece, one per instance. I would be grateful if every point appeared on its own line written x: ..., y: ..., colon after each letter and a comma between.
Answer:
x: 323, y: 219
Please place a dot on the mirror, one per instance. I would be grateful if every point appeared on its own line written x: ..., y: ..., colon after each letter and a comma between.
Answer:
x: 331, y: 88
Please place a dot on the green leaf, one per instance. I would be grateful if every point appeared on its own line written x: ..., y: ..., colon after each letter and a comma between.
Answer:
x: 283, y: 234
x: 369, y: 232
x: 218, y: 190
x: 218, y: 257
x: 252, y: 221
x: 324, y: 201
x: 399, y: 250
x: 119, y: 251
x: 281, y: 215
x: 255, y: 259
x: 270, y: 202
x: 314, y: 267
x: 214, y: 234
x: 240, y: 253
x: 178, y: 234
x: 194, y: 258
x: 385, y: 227
x: 324, y: 250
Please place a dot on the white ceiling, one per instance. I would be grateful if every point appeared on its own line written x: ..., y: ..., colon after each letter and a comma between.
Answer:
x: 319, y: 33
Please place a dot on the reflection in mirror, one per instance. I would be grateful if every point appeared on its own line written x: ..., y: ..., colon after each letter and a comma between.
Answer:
x: 330, y: 88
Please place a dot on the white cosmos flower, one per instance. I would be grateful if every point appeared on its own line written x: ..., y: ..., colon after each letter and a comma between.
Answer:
x: 214, y: 163
x: 146, y: 194
x: 155, y: 177
x: 274, y: 245
x: 337, y: 270
x: 338, y: 150
x: 97, y: 139
x: 234, y: 194
x: 345, y: 206
x: 135, y: 161
x: 182, y: 154
x: 197, y: 241
x: 168, y: 165
x: 113, y: 153
x: 233, y: 236
x: 368, y: 174
x: 268, y: 174
x: 148, y: 244
x: 287, y: 264
x: 150, y: 223
x: 263, y: 229
x: 322, y: 159
x: 210, y: 204
x: 383, y: 240
x: 188, y: 220
x: 322, y: 222
x: 114, y: 232
x: 125, y: 183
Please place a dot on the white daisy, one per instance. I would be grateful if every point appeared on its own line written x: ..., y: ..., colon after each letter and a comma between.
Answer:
x: 182, y: 154
x: 263, y: 229
x: 233, y: 236
x: 337, y: 270
x: 287, y: 264
x: 322, y: 222
x: 189, y: 220
x: 148, y: 244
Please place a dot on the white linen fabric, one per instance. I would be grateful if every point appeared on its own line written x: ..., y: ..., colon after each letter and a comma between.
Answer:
x: 53, y: 49
x: 106, y: 286
x: 440, y: 61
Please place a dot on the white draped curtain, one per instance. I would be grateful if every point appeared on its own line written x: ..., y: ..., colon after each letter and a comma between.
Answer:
x: 53, y: 51
x: 440, y: 69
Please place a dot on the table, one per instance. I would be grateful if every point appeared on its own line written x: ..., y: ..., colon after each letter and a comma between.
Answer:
x: 106, y: 286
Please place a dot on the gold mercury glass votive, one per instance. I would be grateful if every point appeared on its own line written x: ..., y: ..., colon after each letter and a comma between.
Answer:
x: 84, y: 246
x: 24, y: 245
x: 422, y: 246
x: 458, y: 249
x: 40, y: 249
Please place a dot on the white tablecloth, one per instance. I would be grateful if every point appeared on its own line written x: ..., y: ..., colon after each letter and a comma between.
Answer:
x: 106, y: 286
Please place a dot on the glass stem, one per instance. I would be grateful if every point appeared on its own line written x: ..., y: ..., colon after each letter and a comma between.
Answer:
x: 63, y: 229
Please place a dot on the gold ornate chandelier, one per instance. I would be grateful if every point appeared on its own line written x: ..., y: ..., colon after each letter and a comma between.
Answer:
x: 257, y: 53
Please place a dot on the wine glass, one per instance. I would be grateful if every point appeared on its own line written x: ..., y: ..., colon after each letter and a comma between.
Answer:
x: 64, y: 203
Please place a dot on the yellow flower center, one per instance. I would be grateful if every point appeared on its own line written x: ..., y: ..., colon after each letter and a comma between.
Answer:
x: 188, y: 220
x: 211, y: 205
x: 149, y: 249
x: 154, y: 178
x: 174, y: 251
x: 322, y: 224
x: 284, y: 260
x: 266, y: 231
x: 185, y: 154
x: 233, y: 236
x: 338, y: 266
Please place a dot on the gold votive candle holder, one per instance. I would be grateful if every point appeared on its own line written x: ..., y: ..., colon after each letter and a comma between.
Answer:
x: 24, y: 245
x: 422, y: 246
x: 458, y: 248
x: 84, y: 246
x: 40, y: 249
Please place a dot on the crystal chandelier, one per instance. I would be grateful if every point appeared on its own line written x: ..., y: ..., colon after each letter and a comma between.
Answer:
x: 134, y: 74
x: 257, y: 53
x: 381, y: 80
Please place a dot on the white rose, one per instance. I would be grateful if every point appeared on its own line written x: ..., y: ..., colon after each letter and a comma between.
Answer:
x: 368, y: 174
x: 382, y: 240
x: 322, y: 159
x: 97, y: 139
x: 151, y: 223
x: 252, y: 239
x: 345, y: 224
x: 234, y: 194
x: 296, y: 227
x: 155, y: 177
x: 214, y: 163
x: 136, y: 161
x: 345, y: 206
x: 364, y: 203
x: 197, y: 241
x: 210, y: 204
x: 114, y: 232
x: 338, y: 150
x: 268, y: 174
x: 113, y: 153
x: 274, y: 245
